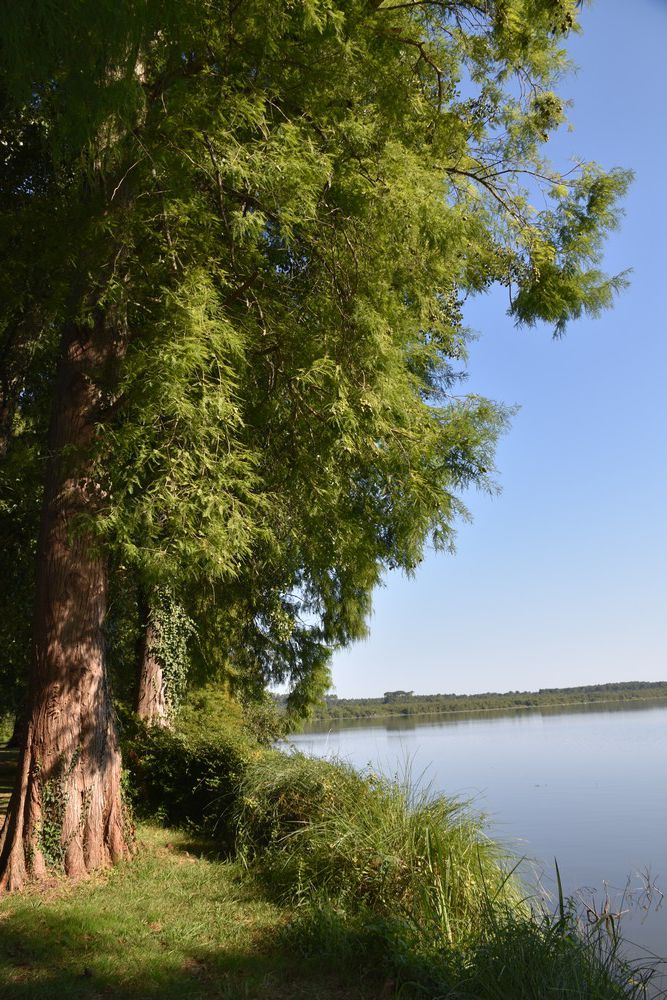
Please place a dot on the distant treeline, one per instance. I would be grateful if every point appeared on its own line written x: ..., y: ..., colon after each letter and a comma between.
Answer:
x: 407, y: 703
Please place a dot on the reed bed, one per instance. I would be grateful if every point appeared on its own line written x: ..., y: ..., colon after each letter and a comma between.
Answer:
x: 385, y: 869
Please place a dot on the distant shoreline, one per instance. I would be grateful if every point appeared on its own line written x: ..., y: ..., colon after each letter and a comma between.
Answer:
x: 410, y: 709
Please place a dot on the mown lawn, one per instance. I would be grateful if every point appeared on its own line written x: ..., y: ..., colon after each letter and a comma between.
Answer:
x: 174, y: 923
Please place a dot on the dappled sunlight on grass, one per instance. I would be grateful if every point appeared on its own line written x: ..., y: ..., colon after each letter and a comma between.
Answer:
x: 175, y: 922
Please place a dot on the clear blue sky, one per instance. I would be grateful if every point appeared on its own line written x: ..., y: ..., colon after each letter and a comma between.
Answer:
x: 562, y: 579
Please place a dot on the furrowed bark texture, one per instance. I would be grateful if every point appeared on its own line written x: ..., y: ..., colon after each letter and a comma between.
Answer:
x: 152, y: 702
x: 66, y: 810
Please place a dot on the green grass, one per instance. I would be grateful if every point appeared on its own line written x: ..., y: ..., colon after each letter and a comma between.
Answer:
x: 174, y: 923
x: 413, y: 879
x: 344, y: 887
x: 179, y: 923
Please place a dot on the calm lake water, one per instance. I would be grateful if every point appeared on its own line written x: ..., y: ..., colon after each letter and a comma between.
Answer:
x: 586, y: 786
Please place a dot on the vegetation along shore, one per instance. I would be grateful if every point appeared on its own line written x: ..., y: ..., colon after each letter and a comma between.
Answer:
x: 406, y: 703
x: 262, y: 874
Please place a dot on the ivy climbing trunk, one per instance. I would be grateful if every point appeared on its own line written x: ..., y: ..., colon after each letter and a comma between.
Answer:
x: 152, y: 701
x: 66, y: 809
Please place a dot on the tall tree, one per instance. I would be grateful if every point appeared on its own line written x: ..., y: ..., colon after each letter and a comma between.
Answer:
x: 258, y: 222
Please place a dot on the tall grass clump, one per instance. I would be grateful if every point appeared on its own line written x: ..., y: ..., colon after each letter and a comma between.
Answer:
x: 544, y: 955
x: 366, y: 843
x: 386, y: 874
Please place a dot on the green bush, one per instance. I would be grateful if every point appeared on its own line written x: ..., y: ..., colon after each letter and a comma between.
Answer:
x: 184, y: 780
x: 210, y: 709
x: 191, y: 776
x: 6, y: 728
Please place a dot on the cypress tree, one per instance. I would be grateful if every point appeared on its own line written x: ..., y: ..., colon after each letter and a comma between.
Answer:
x: 242, y: 233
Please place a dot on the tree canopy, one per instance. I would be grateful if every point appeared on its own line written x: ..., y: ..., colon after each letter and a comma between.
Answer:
x: 238, y: 238
x: 284, y: 206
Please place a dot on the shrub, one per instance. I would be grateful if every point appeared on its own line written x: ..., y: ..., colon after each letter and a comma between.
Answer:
x: 184, y: 780
x: 210, y: 709
x: 6, y: 728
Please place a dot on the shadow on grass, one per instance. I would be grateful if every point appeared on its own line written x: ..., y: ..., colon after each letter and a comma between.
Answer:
x: 8, y: 759
x: 80, y: 946
x: 201, y: 848
x: 205, y: 930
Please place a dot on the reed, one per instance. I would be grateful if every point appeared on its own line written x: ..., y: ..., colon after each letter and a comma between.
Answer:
x: 384, y: 868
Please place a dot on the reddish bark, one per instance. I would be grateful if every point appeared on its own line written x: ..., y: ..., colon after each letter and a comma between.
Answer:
x: 152, y: 703
x: 66, y: 808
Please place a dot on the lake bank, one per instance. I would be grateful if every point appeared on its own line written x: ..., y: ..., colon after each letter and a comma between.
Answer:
x: 587, y: 786
x: 333, y: 885
x: 409, y: 713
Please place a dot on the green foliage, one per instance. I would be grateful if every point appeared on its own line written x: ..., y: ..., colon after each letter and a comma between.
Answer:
x: 285, y: 794
x: 172, y: 630
x: 277, y: 212
x: 185, y: 781
x: 181, y: 922
x: 564, y: 282
x: 212, y: 710
x: 124, y: 629
x: 407, y: 704
x: 20, y: 498
x: 6, y: 727
x: 54, y: 794
x: 191, y: 776
x: 265, y: 722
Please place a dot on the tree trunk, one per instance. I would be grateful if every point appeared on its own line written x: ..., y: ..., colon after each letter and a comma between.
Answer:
x: 152, y: 702
x: 66, y: 811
